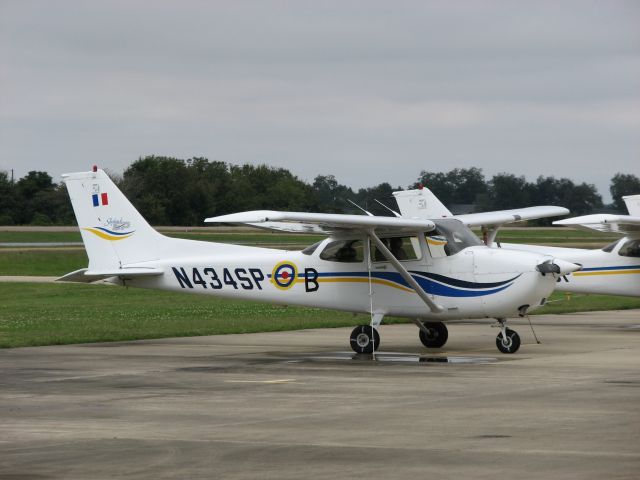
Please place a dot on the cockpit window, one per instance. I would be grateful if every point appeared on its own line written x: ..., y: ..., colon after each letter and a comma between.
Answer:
x: 609, y: 248
x: 450, y: 237
x: 345, y: 251
x: 630, y: 249
x: 311, y: 248
x: 403, y: 248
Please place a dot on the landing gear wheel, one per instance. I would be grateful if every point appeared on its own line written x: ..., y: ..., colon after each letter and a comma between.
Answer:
x: 437, y: 336
x: 511, y: 344
x: 364, y: 339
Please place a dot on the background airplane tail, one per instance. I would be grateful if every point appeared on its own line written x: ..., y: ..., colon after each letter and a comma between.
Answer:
x: 113, y: 232
x: 420, y: 203
x: 633, y: 204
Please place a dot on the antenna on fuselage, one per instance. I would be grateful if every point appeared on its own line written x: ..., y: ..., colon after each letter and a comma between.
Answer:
x: 360, y: 208
x: 391, y: 210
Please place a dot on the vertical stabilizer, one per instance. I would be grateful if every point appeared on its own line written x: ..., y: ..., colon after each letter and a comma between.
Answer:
x: 113, y: 232
x: 633, y: 204
x: 420, y: 203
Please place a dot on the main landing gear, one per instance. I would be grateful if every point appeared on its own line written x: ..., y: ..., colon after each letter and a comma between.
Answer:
x: 433, y: 334
x: 507, y: 341
x: 364, y: 339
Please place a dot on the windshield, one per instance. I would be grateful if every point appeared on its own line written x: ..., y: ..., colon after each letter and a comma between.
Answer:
x: 452, y: 236
x: 312, y: 248
x: 609, y: 248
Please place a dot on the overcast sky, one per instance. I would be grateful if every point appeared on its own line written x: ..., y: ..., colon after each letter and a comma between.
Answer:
x: 368, y: 91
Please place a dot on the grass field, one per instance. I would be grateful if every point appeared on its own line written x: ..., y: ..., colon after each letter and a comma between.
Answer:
x: 42, y: 263
x: 519, y: 235
x: 48, y: 314
x: 243, y: 238
x: 57, y: 262
x: 44, y: 314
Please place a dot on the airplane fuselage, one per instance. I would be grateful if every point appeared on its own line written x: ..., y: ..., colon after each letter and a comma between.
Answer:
x: 614, y: 270
x: 477, y: 282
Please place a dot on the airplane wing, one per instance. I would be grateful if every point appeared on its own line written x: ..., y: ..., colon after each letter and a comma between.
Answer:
x: 621, y: 224
x: 501, y: 217
x: 325, y: 223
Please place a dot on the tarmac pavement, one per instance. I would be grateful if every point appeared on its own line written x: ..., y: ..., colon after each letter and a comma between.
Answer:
x: 300, y: 404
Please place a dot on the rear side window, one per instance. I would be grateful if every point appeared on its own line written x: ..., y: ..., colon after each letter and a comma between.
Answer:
x: 344, y: 251
x: 403, y: 248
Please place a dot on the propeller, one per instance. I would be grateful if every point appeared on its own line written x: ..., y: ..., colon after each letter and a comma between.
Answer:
x: 558, y: 267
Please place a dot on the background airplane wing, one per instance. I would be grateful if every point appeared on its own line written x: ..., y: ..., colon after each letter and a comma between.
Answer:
x: 326, y: 223
x: 621, y: 224
x: 501, y: 217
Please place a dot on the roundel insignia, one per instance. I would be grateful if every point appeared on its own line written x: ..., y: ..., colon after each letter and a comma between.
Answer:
x: 284, y: 275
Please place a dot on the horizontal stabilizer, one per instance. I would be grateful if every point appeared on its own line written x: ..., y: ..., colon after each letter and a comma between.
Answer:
x: 302, y: 222
x: 84, y: 275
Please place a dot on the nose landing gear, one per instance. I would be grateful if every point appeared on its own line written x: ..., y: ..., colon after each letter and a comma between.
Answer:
x: 507, y: 341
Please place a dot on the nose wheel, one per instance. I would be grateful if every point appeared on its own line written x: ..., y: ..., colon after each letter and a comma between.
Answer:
x: 364, y: 339
x: 434, y: 334
x: 508, y: 341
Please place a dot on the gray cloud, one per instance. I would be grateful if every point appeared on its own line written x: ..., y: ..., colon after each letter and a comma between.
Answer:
x: 368, y: 91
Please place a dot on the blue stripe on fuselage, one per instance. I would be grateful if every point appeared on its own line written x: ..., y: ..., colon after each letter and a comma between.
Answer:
x: 428, y: 285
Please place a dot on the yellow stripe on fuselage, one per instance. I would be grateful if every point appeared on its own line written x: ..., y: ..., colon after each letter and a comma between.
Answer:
x: 607, y: 272
x: 106, y: 236
x: 365, y: 280
x: 436, y: 243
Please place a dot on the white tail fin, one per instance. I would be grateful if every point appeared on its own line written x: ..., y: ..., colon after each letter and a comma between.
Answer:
x: 633, y: 204
x: 113, y: 232
x: 420, y: 203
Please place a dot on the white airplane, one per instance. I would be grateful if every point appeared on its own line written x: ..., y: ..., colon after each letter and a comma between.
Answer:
x: 612, y: 270
x: 429, y: 270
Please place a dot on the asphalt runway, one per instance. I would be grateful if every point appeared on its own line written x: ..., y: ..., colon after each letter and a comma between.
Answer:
x: 298, y: 405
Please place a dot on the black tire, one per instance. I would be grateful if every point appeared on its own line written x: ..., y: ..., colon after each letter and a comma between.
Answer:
x: 364, y: 339
x: 511, y: 345
x: 437, y: 336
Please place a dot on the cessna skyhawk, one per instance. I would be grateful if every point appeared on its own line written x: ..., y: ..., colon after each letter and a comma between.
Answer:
x: 611, y: 270
x: 429, y: 270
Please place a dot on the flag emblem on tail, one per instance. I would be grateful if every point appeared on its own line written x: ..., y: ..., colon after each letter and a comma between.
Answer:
x: 100, y: 199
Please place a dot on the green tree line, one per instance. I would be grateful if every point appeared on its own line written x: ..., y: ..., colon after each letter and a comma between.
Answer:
x: 172, y: 191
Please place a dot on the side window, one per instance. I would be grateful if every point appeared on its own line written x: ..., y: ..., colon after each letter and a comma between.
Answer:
x: 345, y: 251
x: 630, y: 249
x: 438, y: 245
x: 403, y: 248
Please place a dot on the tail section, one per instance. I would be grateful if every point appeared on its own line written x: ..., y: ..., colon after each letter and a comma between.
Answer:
x: 633, y: 204
x: 113, y: 232
x: 421, y: 203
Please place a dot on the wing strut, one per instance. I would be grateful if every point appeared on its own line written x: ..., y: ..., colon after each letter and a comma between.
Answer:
x: 434, y: 307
